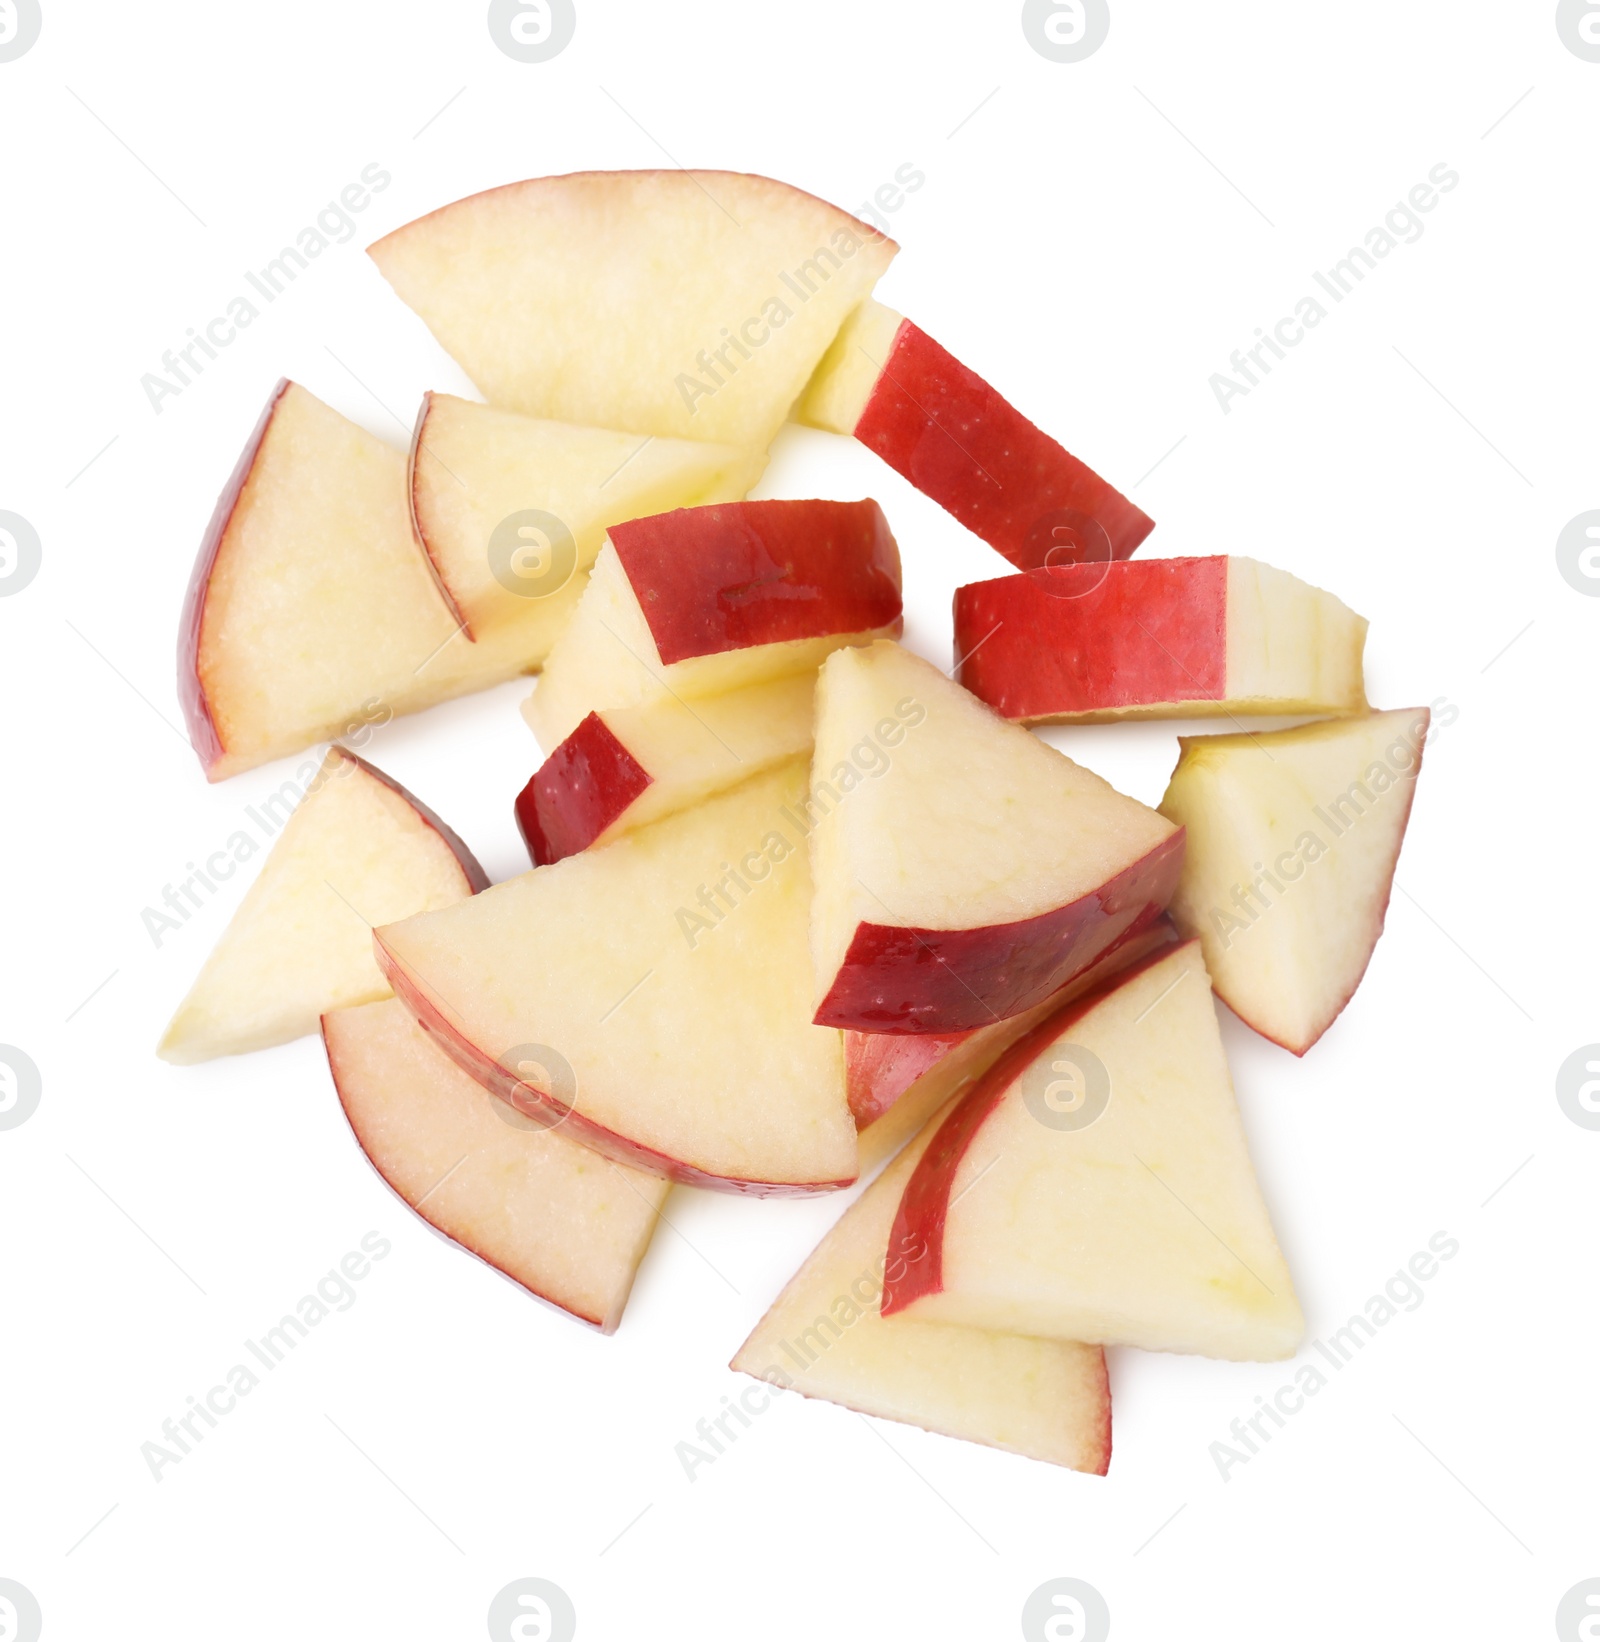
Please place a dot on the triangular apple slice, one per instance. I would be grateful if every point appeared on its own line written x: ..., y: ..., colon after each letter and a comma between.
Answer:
x: 567, y: 1225
x: 1095, y: 1185
x: 509, y: 508
x: 972, y: 870
x: 691, y: 304
x: 1293, y: 840
x: 661, y: 985
x: 825, y: 1337
x: 359, y: 850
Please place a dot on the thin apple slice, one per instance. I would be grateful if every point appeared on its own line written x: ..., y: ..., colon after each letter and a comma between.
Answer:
x: 628, y: 766
x: 1293, y: 840
x: 710, y: 599
x: 687, y: 304
x: 567, y: 1225
x: 976, y: 871
x: 508, y: 508
x: 1158, y: 638
x: 945, y: 429
x: 825, y: 1337
x: 359, y: 850
x: 1095, y: 1185
x: 661, y: 984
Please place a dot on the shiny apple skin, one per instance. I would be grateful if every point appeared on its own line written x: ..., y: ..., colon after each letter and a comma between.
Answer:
x: 584, y: 786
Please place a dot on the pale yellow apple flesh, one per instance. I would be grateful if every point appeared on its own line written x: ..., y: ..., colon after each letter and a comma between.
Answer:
x: 838, y: 392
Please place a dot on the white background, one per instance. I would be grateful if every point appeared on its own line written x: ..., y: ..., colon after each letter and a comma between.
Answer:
x: 1097, y: 239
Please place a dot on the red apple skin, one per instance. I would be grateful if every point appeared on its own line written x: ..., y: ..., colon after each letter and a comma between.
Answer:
x: 896, y: 980
x: 543, y: 1108
x: 947, y: 431
x: 919, y: 1222
x: 418, y: 535
x: 476, y: 877
x: 738, y: 574
x: 587, y: 783
x: 1087, y: 638
x: 203, y: 734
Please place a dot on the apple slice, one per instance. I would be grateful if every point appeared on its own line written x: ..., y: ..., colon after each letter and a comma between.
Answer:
x: 508, y: 509
x: 359, y: 850
x: 1293, y: 840
x: 825, y: 1337
x: 688, y: 304
x: 945, y: 429
x: 568, y: 1226
x: 1095, y: 1185
x: 973, y: 871
x: 709, y: 599
x: 661, y: 984
x: 1158, y: 638
x: 631, y: 765
x: 311, y: 611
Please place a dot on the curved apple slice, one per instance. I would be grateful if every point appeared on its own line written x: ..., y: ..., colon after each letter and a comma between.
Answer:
x: 567, y: 1225
x: 687, y: 304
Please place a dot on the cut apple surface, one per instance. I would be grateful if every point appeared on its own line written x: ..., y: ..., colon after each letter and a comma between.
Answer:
x: 311, y: 611
x: 710, y: 599
x: 628, y: 766
x: 1095, y: 1185
x: 945, y: 429
x: 1158, y: 638
x: 1293, y: 840
x: 825, y: 1337
x: 660, y: 987
x: 358, y: 850
x: 686, y: 304
x: 970, y: 871
x: 568, y: 1225
x: 509, y: 509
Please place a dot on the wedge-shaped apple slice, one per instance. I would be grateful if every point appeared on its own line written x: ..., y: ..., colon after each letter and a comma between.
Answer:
x: 709, y: 599
x: 311, y: 610
x: 628, y: 766
x: 825, y: 1337
x: 945, y: 429
x: 567, y: 1225
x: 1293, y: 840
x: 358, y: 850
x: 509, y: 508
x: 1158, y: 638
x: 1095, y: 1185
x: 660, y: 985
x: 976, y: 871
x: 689, y: 304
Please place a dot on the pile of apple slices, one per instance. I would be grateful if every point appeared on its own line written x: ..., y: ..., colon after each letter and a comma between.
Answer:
x: 801, y: 905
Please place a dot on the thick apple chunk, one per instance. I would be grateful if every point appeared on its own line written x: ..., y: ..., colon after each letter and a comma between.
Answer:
x: 971, y: 871
x: 945, y: 429
x: 1293, y: 840
x: 710, y: 599
x: 690, y: 304
x: 1095, y: 1185
x: 660, y: 985
x: 825, y: 1337
x: 567, y: 1225
x: 1158, y: 638
x: 628, y: 766
x: 509, y: 509
x: 358, y: 851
